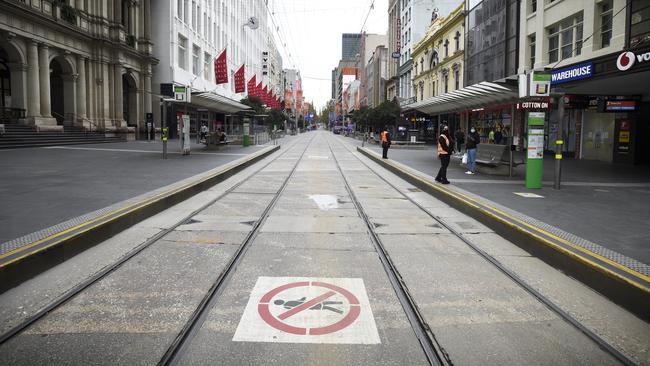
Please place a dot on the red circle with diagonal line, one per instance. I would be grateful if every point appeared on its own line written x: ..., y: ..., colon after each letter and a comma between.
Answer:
x: 278, y: 322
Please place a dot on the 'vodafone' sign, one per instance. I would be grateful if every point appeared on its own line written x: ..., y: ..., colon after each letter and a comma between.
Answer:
x: 627, y: 59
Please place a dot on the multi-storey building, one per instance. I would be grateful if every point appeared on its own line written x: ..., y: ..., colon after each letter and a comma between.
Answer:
x: 394, y: 46
x: 377, y: 76
x: 79, y: 63
x: 190, y: 35
x: 369, y: 42
x: 293, y: 98
x: 594, y: 50
x: 415, y: 17
x: 350, y: 45
x: 438, y: 57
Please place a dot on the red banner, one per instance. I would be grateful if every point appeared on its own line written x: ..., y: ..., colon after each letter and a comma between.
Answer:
x: 221, y: 68
x: 264, y: 96
x: 240, y: 83
x: 258, y: 91
x: 251, y: 86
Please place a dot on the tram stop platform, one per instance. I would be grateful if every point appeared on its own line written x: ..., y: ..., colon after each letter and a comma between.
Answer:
x: 64, y: 194
x: 598, y: 218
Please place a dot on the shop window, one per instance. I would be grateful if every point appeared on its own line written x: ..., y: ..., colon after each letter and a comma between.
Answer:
x: 182, y: 52
x: 531, y: 49
x: 639, y: 22
x: 606, y: 14
x: 196, y: 66
x: 207, y: 60
x: 565, y: 38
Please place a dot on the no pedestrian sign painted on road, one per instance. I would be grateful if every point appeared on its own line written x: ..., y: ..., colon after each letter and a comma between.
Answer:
x: 308, y: 310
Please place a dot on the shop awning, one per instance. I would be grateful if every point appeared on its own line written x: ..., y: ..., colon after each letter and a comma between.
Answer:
x: 474, y: 96
x: 217, y: 102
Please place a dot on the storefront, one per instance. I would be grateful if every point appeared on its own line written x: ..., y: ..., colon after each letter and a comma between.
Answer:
x: 606, y: 107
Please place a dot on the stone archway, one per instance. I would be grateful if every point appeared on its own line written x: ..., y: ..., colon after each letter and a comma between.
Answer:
x: 12, y: 76
x: 62, y: 91
x: 129, y: 100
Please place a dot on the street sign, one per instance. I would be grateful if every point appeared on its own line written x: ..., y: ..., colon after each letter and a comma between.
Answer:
x: 396, y: 55
x: 182, y: 94
x: 308, y: 310
x: 167, y: 90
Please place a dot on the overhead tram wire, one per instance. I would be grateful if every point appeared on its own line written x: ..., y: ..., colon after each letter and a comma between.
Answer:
x: 282, y: 39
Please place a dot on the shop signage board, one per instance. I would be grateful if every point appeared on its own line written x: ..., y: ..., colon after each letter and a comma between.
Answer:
x: 182, y: 94
x: 620, y: 105
x: 535, y: 150
x: 540, y: 84
x: 308, y: 310
x: 627, y: 59
x: 576, y: 72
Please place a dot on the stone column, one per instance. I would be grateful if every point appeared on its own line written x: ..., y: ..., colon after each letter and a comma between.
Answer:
x: 81, y: 87
x: 44, y: 76
x: 33, y: 94
x: 146, y: 16
x: 147, y: 92
x: 105, y: 99
x: 118, y: 95
x: 91, y: 87
x: 80, y: 5
x: 117, y: 7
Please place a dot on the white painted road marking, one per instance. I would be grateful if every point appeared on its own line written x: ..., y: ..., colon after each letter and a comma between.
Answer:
x: 528, y: 195
x: 308, y: 310
x: 325, y: 201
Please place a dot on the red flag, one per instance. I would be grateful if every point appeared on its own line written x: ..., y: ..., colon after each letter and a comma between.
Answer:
x: 240, y: 86
x: 221, y: 68
x: 258, y: 91
x: 251, y: 86
x: 269, y: 97
x: 264, y: 96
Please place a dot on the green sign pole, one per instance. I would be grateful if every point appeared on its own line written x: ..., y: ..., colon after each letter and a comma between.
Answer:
x: 535, y: 150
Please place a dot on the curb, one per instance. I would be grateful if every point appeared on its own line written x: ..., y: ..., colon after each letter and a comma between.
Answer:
x: 33, y: 258
x: 620, y: 284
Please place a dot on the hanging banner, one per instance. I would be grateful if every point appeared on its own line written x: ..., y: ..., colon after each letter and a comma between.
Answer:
x: 264, y: 96
x: 221, y: 68
x: 258, y: 91
x: 251, y: 86
x: 240, y: 86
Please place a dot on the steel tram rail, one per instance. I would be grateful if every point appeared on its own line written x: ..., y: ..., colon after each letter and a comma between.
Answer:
x: 104, y: 272
x: 603, y: 344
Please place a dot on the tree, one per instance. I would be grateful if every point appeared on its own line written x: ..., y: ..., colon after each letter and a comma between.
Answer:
x: 275, y: 118
x: 255, y: 103
x: 385, y: 114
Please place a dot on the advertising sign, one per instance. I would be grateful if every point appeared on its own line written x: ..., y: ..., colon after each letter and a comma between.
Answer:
x: 535, y: 150
x: 572, y: 73
x: 182, y: 94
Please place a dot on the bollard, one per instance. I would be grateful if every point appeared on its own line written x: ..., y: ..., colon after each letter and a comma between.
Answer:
x: 558, y: 163
x: 164, y: 140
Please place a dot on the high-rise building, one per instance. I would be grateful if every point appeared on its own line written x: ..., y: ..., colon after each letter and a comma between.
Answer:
x: 350, y: 45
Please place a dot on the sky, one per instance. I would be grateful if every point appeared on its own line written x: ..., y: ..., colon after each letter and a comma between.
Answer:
x: 311, y: 30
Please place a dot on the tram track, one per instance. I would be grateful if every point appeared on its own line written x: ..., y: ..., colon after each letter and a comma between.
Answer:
x: 109, y: 269
x: 434, y: 352
x: 600, y: 342
x: 179, y: 346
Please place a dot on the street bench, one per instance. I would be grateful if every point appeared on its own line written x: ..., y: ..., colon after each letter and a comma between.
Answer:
x: 212, y: 140
x: 494, y: 155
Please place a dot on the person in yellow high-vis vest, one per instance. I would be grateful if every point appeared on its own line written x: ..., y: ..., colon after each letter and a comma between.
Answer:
x: 385, y: 142
x: 444, y: 152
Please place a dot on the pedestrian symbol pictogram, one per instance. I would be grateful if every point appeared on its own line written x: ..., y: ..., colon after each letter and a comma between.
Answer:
x: 308, y: 310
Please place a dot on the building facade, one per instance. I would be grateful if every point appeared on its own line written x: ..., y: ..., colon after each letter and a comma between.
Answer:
x: 377, y: 76
x: 191, y: 34
x: 439, y: 57
x: 350, y: 45
x: 394, y: 46
x: 369, y: 43
x: 598, y: 82
x: 76, y: 63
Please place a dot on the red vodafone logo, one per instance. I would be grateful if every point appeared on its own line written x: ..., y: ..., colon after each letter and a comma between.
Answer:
x: 625, y: 61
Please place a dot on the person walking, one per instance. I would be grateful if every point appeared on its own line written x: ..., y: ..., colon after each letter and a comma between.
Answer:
x: 460, y: 139
x: 204, y: 132
x: 473, y: 139
x: 444, y: 151
x: 385, y: 142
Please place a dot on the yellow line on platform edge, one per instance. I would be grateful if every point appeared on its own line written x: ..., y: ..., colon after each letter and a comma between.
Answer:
x: 477, y: 204
x: 126, y: 210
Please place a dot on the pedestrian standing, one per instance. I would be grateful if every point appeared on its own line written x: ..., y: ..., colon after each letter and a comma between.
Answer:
x: 385, y: 142
x: 204, y: 132
x: 498, y: 136
x: 460, y: 139
x: 444, y: 150
x: 491, y: 136
x: 473, y: 139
